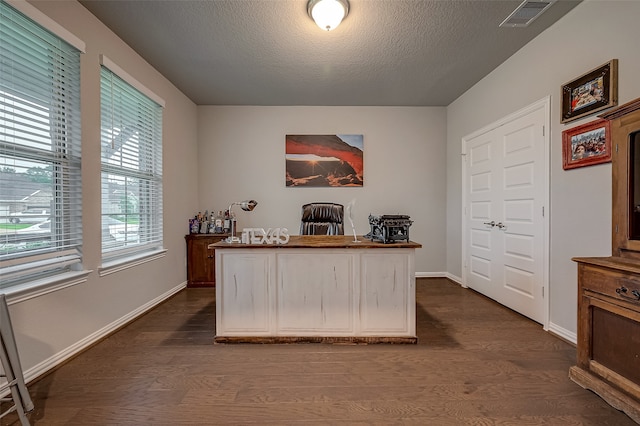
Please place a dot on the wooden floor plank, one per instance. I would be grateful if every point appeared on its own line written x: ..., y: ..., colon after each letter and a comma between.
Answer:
x: 476, y: 363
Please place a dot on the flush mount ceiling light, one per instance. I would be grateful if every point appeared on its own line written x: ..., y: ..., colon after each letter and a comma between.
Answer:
x: 328, y: 13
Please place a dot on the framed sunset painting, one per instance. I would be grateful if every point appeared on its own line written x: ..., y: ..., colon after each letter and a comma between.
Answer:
x: 324, y: 160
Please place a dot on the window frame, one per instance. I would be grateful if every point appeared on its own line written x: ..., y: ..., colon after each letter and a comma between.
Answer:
x: 115, y: 259
x: 31, y: 273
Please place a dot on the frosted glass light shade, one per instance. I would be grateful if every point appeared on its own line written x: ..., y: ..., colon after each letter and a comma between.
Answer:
x: 328, y: 13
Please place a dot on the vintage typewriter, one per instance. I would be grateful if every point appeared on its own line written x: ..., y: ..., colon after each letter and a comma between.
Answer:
x: 389, y: 228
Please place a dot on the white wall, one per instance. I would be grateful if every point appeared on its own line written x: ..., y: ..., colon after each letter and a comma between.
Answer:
x: 242, y: 155
x: 50, y: 327
x: 587, y: 37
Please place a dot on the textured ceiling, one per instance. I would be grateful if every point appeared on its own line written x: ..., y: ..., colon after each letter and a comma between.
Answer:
x: 269, y: 52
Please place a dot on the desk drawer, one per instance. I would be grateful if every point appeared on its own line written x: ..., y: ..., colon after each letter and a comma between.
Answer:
x: 616, y: 284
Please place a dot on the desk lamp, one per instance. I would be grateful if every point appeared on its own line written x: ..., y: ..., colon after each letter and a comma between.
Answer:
x: 246, y: 205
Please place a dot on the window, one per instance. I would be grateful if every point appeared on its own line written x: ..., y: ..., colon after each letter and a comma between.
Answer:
x: 40, y: 179
x: 131, y: 146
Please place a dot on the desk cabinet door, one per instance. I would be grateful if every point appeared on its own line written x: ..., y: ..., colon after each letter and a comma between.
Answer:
x: 387, y: 294
x: 244, y: 294
x: 315, y: 294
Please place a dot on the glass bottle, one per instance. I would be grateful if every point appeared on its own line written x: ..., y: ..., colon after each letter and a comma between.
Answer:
x: 219, y: 222
x: 227, y: 222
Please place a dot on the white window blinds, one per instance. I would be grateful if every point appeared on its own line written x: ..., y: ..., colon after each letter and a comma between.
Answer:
x: 40, y: 179
x: 131, y: 146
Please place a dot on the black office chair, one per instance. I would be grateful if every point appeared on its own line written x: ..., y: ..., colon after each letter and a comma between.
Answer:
x: 322, y: 219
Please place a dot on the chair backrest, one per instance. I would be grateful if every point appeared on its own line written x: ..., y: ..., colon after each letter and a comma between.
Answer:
x: 322, y: 219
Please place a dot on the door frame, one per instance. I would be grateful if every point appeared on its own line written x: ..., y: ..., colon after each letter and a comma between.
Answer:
x: 545, y: 104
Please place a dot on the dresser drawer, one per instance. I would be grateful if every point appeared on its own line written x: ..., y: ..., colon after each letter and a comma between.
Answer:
x: 616, y: 284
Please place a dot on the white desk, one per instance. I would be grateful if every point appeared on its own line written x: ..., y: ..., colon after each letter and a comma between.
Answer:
x: 316, y: 289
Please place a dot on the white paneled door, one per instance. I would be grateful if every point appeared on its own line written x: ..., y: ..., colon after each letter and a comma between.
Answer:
x: 505, y: 196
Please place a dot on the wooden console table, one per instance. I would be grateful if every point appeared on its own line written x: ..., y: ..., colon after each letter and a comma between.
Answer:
x: 316, y: 289
x: 200, y: 259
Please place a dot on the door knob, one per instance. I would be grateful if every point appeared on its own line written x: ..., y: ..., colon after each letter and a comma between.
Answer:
x: 491, y: 224
x: 500, y: 225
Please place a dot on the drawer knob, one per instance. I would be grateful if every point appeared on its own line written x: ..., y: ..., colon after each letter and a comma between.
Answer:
x: 624, y: 292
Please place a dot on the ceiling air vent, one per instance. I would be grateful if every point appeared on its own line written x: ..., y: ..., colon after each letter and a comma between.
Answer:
x: 526, y: 13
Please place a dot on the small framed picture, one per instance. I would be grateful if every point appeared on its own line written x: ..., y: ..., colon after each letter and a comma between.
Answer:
x: 586, y: 145
x: 591, y: 92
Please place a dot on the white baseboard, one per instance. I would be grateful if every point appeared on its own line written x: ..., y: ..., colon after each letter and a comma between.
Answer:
x: 439, y: 275
x: 55, y: 360
x: 567, y: 335
x: 455, y: 279
x: 431, y: 274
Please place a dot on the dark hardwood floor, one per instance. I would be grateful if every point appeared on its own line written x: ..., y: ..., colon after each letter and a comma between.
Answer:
x: 476, y: 363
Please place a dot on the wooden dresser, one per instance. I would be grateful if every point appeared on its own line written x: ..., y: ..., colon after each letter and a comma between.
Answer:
x: 608, y: 351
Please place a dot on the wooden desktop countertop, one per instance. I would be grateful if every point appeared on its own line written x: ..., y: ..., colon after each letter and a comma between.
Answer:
x: 321, y: 241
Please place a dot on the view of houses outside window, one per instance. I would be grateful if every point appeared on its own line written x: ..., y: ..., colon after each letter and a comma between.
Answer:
x: 26, y: 200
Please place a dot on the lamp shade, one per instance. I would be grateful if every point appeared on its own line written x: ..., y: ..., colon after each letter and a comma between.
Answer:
x: 328, y: 14
x: 248, y: 205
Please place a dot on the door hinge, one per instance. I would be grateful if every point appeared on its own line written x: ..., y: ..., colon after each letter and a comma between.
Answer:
x: 616, y: 147
x: 616, y: 228
x: 543, y: 292
x: 542, y: 211
x: 543, y: 131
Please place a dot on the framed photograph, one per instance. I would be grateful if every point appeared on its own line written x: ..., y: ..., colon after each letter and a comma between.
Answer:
x: 586, y: 145
x: 324, y: 160
x: 591, y: 92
